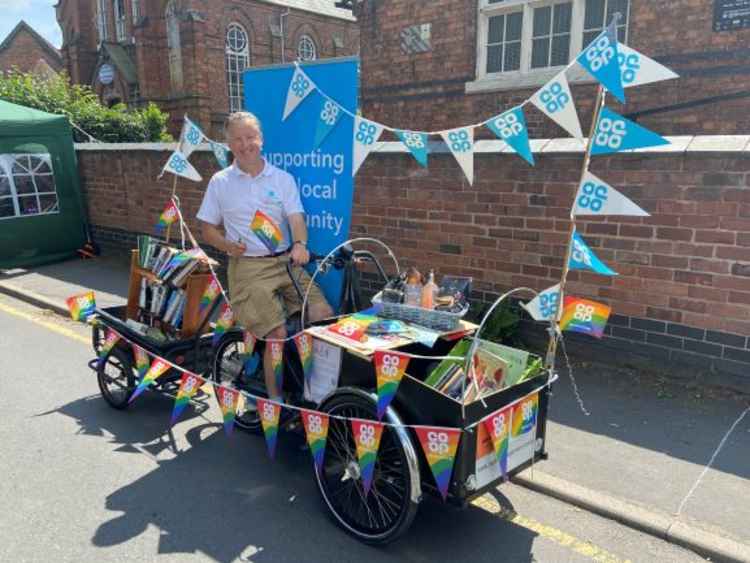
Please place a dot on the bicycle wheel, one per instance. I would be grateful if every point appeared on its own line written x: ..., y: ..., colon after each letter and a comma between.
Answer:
x: 228, y: 368
x: 116, y: 378
x: 387, y: 511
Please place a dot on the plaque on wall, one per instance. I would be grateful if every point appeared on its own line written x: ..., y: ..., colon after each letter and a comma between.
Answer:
x: 731, y: 14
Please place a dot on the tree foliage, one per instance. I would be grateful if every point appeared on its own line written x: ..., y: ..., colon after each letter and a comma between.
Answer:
x: 81, y: 105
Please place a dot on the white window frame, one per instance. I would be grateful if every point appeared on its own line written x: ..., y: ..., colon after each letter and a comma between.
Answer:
x: 526, y: 76
x: 6, y: 165
x: 118, y: 8
x: 306, y: 38
x: 232, y: 60
x: 101, y: 20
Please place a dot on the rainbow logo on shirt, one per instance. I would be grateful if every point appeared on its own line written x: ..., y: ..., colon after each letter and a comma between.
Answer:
x: 189, y: 385
x: 440, y: 445
x: 269, y: 418
x: 498, y: 427
x: 367, y: 435
x: 228, y: 404
x: 389, y: 369
x: 316, y: 430
x: 109, y: 343
x: 81, y: 306
x: 524, y: 415
x: 157, y: 369
x: 267, y: 231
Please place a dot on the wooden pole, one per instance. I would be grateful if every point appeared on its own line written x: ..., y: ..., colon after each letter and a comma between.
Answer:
x: 552, y: 347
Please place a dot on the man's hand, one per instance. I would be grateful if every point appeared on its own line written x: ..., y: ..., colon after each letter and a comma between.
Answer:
x: 235, y: 249
x: 299, y: 255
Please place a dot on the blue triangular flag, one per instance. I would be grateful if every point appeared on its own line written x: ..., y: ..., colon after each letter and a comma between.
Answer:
x: 416, y: 143
x: 600, y: 61
x: 614, y: 133
x: 511, y: 128
x: 328, y: 117
x: 581, y: 258
x: 221, y: 153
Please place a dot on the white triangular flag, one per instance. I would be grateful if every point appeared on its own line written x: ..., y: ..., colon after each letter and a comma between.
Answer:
x: 178, y: 164
x: 299, y: 88
x: 461, y: 143
x: 637, y: 69
x: 190, y: 138
x: 555, y: 100
x: 366, y: 134
x: 596, y: 197
x: 544, y: 306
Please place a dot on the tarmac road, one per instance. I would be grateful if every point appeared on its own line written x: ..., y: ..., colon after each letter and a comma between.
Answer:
x: 85, y: 482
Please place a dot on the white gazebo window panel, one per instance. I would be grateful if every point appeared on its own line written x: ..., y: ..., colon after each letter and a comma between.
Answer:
x: 237, y: 60
x: 27, y: 186
x: 173, y: 45
x: 599, y: 13
x: 306, y: 49
x: 119, y: 9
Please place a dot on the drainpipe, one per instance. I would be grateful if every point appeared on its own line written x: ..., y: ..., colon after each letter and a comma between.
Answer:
x: 281, y: 28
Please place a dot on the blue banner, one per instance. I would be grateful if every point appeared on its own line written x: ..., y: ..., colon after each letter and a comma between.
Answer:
x: 323, y: 174
x: 600, y: 59
x: 511, y: 128
x: 614, y: 133
x: 582, y: 258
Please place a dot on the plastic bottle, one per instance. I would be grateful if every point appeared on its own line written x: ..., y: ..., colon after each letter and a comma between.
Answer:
x: 413, y: 288
x: 429, y: 292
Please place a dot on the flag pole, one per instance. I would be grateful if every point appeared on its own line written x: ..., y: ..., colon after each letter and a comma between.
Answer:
x: 554, y: 324
x: 174, y: 192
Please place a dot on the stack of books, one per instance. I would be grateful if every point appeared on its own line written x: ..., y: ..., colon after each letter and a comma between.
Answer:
x: 169, y: 264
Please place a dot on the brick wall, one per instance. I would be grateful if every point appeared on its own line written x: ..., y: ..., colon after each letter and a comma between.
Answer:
x: 429, y: 90
x: 683, y: 293
x: 24, y: 52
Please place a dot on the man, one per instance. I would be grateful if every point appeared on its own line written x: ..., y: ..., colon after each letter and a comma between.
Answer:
x: 257, y: 204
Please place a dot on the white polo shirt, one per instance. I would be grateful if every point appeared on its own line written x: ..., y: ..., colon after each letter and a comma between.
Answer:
x: 233, y: 198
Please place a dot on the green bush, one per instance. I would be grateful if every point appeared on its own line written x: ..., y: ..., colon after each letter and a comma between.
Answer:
x: 81, y: 105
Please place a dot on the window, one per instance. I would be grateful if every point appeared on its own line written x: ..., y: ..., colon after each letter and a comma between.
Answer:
x: 135, y: 7
x: 237, y: 60
x: 101, y: 20
x: 173, y: 45
x: 27, y: 186
x: 119, y: 6
x: 306, y: 50
x: 525, y: 42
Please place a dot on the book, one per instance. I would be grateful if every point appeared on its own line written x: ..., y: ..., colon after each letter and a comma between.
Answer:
x: 180, y: 275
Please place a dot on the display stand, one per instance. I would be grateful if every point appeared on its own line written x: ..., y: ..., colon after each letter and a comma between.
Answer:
x: 194, y: 287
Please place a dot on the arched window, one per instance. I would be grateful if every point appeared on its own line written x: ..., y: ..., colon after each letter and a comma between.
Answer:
x: 173, y: 44
x: 306, y: 50
x: 237, y: 60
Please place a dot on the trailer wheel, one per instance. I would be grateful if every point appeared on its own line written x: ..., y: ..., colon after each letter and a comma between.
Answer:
x: 116, y: 378
x: 227, y: 368
x: 388, y: 510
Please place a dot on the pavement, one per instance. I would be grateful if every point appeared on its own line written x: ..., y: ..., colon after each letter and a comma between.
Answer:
x: 634, y: 458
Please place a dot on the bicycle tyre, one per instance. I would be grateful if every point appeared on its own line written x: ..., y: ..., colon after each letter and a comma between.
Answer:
x: 116, y: 378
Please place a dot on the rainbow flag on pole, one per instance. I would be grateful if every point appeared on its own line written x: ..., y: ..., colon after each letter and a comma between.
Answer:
x: 189, y: 385
x: 498, y: 427
x: 157, y: 369
x: 81, y: 306
x: 389, y: 368
x: 440, y: 445
x: 582, y: 315
x: 228, y: 404
x: 267, y: 231
x: 109, y: 343
x: 316, y: 430
x: 167, y: 217
x: 367, y: 434
x: 269, y: 418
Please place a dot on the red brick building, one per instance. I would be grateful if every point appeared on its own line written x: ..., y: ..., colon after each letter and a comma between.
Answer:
x: 28, y: 51
x: 188, y: 55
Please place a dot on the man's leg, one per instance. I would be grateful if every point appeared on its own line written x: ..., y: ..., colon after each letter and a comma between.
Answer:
x: 274, y: 392
x: 319, y: 311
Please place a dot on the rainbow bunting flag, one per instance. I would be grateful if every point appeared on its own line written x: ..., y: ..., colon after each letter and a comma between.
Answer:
x: 267, y: 231
x: 304, y: 344
x: 189, y: 385
x: 158, y: 367
x: 524, y: 415
x: 249, y: 341
x: 582, y: 315
x: 212, y: 291
x: 167, y: 217
x: 277, y: 362
x: 223, y: 323
x: 141, y: 361
x: 498, y: 427
x: 316, y: 430
x: 228, y: 404
x: 81, y: 306
x: 269, y: 418
x: 109, y: 343
x: 389, y: 368
x: 440, y: 445
x: 367, y: 435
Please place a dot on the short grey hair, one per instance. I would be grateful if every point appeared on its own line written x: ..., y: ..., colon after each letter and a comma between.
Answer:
x: 238, y: 116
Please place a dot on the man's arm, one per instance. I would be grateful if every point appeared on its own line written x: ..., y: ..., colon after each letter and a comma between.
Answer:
x: 299, y: 254
x: 213, y: 236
